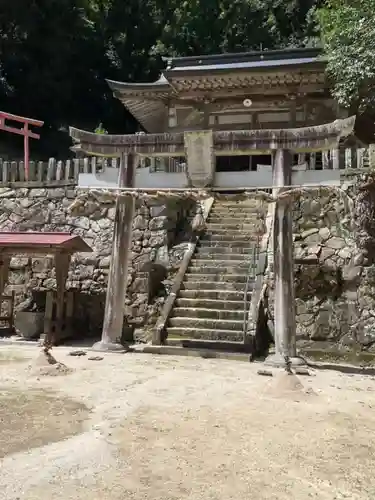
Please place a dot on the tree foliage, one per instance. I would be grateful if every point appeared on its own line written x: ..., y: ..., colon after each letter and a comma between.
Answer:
x: 348, y: 33
x: 56, y: 54
x: 193, y: 27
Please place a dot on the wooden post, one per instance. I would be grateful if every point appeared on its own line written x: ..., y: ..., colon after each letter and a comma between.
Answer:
x: 118, y: 273
x: 62, y: 262
x: 4, y: 271
x: 26, y: 151
x: 284, y: 308
x: 335, y: 157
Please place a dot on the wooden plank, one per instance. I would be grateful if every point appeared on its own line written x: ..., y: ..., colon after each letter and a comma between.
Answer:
x: 38, y: 184
x: 32, y: 172
x: 13, y: 171
x: 86, y: 166
x: 59, y: 170
x: 51, y: 172
x: 68, y: 173
x: 40, y: 171
x: 93, y: 165
x: 325, y: 160
x: 335, y: 158
x: 76, y: 168
x: 6, y: 167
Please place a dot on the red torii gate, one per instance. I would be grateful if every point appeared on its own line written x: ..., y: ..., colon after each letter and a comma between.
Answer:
x: 25, y: 131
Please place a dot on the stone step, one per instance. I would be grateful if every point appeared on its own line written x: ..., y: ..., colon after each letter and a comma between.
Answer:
x: 226, y: 211
x: 211, y: 345
x: 223, y: 262
x: 208, y: 241
x: 235, y: 216
x: 227, y: 250
x: 231, y: 257
x: 236, y: 209
x: 224, y: 237
x: 229, y: 305
x: 204, y: 334
x: 233, y: 226
x: 217, y: 277
x: 220, y: 247
x: 214, y: 285
x: 213, y: 269
x: 215, y: 294
x: 200, y: 313
x: 232, y: 233
x: 255, y: 223
x: 239, y: 203
x: 219, y: 324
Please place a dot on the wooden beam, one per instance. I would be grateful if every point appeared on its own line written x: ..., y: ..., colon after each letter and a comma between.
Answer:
x: 19, y: 131
x: 118, y: 272
x: 321, y: 137
x: 21, y: 119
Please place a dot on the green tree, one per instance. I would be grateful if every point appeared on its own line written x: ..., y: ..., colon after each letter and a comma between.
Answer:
x: 56, y: 54
x: 348, y: 34
x: 193, y: 27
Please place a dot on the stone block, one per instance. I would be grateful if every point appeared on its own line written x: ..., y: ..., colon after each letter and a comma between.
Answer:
x: 38, y: 193
x: 324, y: 233
x: 335, y: 243
x: 159, y: 223
x: 140, y: 222
x: 351, y: 273
x: 56, y: 193
x: 18, y: 263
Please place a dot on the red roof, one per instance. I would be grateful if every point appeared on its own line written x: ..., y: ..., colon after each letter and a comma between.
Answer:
x: 61, y: 241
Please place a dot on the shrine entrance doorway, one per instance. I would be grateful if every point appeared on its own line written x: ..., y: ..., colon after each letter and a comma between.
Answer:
x: 242, y: 163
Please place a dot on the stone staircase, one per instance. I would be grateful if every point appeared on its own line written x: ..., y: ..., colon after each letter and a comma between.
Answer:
x: 210, y: 308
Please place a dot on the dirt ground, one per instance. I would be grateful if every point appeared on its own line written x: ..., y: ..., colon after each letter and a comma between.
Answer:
x: 144, y: 427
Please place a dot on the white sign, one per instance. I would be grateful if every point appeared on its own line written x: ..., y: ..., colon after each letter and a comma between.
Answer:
x: 199, y: 151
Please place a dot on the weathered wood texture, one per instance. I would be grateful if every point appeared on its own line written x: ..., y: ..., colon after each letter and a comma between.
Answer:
x: 322, y: 137
x: 285, y: 321
x: 62, y: 263
x: 4, y: 271
x: 121, y: 247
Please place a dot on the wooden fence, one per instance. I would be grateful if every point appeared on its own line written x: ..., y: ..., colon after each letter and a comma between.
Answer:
x: 54, y: 172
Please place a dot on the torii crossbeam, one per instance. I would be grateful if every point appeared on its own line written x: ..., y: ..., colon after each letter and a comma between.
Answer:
x: 25, y: 131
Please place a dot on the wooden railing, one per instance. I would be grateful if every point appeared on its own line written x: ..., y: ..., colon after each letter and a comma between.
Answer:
x: 350, y: 161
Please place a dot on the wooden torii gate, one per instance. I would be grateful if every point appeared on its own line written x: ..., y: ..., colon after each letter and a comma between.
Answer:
x: 280, y: 143
x: 25, y: 131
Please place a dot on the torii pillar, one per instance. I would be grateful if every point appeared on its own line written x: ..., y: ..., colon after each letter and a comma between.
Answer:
x: 283, y: 262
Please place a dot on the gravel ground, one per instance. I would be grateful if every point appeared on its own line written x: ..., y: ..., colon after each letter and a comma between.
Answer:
x: 144, y: 427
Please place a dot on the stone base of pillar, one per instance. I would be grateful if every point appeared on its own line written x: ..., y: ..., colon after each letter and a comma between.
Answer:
x: 108, y: 347
x: 278, y: 361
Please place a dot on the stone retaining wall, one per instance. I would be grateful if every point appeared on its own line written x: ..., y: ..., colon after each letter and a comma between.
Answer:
x: 158, y: 236
x: 335, y: 288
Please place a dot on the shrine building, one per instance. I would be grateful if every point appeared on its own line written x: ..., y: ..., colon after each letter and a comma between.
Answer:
x: 276, y: 89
